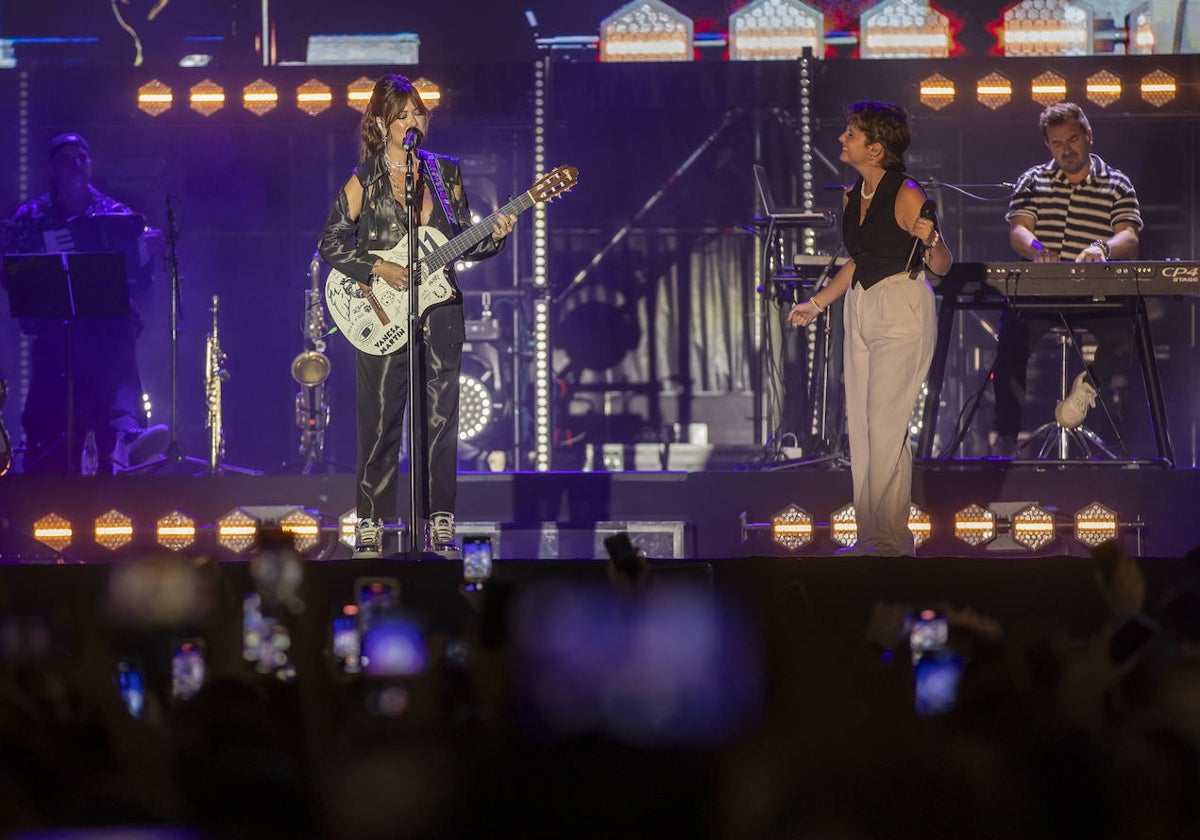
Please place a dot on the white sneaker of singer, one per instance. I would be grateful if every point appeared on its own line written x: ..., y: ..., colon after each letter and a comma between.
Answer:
x: 1073, y: 408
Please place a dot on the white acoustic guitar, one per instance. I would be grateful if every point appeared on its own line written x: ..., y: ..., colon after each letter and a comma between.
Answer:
x: 375, y: 318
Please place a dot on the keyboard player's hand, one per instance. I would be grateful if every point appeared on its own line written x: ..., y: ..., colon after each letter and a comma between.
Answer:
x: 1047, y: 255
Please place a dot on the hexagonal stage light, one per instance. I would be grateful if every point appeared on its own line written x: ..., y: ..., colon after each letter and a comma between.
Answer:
x: 774, y: 30
x: 155, y: 98
x: 313, y: 97
x: 646, y: 30
x: 1048, y: 89
x: 1158, y: 88
x: 936, y: 91
x: 347, y: 525
x: 919, y: 525
x: 206, y: 97
x: 792, y: 527
x: 993, y: 91
x: 1095, y: 524
x: 259, y: 97
x: 843, y: 526
x: 1033, y: 527
x: 975, y: 525
x: 54, y: 531
x: 113, y: 530
x: 358, y: 93
x: 1103, y: 88
x: 236, y: 531
x: 175, y: 531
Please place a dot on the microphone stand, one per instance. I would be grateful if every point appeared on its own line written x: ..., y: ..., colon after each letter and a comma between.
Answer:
x: 174, y: 452
x: 416, y: 441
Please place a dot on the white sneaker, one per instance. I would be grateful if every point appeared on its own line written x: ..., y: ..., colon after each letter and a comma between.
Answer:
x: 439, y: 535
x: 1072, y: 409
x: 368, y: 538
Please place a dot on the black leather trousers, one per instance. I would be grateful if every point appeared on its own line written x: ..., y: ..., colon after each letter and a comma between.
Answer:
x: 382, y: 392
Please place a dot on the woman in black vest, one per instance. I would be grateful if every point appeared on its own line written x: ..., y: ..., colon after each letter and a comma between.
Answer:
x: 890, y: 327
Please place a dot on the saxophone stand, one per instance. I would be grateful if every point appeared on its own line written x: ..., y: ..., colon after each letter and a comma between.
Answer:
x: 310, y: 369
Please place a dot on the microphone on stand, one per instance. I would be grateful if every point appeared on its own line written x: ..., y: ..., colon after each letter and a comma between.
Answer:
x: 917, y: 255
x: 412, y: 139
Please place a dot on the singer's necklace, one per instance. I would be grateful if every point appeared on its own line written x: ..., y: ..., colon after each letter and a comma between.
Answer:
x: 862, y: 190
x: 393, y: 164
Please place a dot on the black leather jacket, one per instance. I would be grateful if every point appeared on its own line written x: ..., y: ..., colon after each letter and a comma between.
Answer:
x: 345, y: 243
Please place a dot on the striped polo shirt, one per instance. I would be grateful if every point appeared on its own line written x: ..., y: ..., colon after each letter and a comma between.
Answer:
x: 1069, y: 217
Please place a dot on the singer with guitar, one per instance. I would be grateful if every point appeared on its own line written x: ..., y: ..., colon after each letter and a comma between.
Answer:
x: 370, y: 214
x: 891, y: 234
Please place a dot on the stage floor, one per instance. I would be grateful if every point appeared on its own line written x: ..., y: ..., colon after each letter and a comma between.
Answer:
x: 671, y: 515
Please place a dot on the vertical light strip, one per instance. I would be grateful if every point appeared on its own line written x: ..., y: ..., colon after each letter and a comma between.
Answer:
x: 541, y: 304
x: 25, y: 361
x: 806, y: 147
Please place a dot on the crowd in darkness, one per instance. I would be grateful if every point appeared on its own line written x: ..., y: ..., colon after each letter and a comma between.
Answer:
x: 761, y: 715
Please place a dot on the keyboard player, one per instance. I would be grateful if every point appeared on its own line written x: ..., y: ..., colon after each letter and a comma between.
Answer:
x: 1074, y: 207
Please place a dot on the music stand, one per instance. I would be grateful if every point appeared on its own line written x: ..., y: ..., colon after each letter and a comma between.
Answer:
x: 63, y: 287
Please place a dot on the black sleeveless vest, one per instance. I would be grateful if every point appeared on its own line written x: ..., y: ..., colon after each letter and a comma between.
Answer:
x: 879, y: 246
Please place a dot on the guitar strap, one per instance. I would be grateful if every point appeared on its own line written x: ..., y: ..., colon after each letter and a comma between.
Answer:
x: 439, y: 186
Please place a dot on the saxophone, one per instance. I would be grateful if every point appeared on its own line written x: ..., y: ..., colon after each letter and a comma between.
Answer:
x: 214, y: 374
x: 310, y: 369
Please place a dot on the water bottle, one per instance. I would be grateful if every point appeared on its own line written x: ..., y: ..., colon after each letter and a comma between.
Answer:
x: 89, y: 460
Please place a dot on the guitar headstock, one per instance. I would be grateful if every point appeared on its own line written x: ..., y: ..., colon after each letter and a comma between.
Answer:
x: 553, y: 184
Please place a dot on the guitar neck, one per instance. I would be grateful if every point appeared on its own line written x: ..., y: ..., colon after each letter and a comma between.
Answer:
x: 472, y: 236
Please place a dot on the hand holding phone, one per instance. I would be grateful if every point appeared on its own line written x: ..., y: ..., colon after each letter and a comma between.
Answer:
x: 477, y: 560
x: 929, y: 632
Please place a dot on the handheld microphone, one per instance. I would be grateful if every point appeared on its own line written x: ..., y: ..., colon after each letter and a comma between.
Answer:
x: 412, y: 139
x: 917, y: 255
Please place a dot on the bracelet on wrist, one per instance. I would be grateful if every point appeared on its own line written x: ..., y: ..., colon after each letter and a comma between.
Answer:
x: 1104, y: 248
x: 818, y: 306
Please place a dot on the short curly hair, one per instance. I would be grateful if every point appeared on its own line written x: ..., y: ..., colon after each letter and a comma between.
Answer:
x: 885, y: 124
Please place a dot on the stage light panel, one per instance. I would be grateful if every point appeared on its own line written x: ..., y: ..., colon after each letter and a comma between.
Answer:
x: 206, y: 97
x: 54, y: 531
x: 904, y: 29
x: 936, y: 91
x: 1103, y: 88
x: 1141, y: 34
x: 113, y: 530
x: 646, y: 30
x: 476, y: 407
x: 843, y: 526
x: 1095, y: 524
x: 1033, y: 527
x: 792, y: 527
x: 919, y: 525
x: 1158, y: 88
x: 347, y: 523
x: 175, y: 530
x: 236, y: 531
x: 259, y: 97
x: 1048, y: 89
x: 304, y: 527
x: 155, y: 98
x: 1047, y: 27
x: 975, y: 525
x: 431, y: 94
x: 766, y: 30
x: 314, y: 97
x: 994, y: 91
x: 358, y: 93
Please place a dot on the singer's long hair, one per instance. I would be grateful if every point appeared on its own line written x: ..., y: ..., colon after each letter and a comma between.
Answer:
x: 392, y: 94
x: 885, y: 124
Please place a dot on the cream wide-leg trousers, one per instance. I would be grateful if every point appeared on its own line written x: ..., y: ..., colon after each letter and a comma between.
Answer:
x: 891, y: 329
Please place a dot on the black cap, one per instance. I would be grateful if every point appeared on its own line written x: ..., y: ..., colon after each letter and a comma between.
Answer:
x: 70, y: 139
